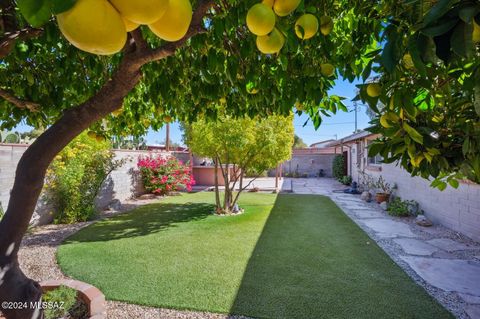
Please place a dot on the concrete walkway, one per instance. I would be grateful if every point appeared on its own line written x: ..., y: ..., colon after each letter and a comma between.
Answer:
x: 445, y: 263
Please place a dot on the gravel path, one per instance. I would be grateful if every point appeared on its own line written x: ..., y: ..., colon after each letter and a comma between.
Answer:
x: 37, y: 258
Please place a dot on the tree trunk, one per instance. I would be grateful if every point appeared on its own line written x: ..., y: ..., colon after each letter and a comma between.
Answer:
x: 29, y: 179
x: 218, y: 207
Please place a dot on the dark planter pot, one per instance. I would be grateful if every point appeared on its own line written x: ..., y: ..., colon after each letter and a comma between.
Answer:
x: 382, y: 197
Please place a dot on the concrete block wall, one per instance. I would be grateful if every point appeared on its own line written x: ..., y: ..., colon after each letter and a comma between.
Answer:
x: 9, y: 156
x: 122, y: 184
x: 310, y: 164
x: 457, y: 209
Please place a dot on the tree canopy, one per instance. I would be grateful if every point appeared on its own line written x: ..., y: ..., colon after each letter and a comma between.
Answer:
x: 244, y: 144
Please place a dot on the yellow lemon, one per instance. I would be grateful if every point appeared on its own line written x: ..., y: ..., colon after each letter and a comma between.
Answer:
x: 306, y: 26
x: 327, y: 69
x: 93, y: 26
x: 374, y: 89
x: 326, y: 25
x: 271, y: 43
x: 100, y: 138
x: 130, y: 25
x: 285, y: 7
x: 476, y: 32
x: 260, y: 19
x: 175, y: 22
x: 269, y: 3
x: 141, y: 11
x: 91, y: 134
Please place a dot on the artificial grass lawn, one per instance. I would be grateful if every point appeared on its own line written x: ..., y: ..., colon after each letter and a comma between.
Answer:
x: 303, y: 258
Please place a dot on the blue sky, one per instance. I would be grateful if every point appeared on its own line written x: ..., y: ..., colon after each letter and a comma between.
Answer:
x: 337, y: 126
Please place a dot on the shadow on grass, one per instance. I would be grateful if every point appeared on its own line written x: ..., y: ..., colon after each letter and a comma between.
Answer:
x: 312, y: 261
x: 143, y: 221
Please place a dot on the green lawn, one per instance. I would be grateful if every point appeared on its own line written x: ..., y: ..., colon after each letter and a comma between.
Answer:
x: 291, y: 256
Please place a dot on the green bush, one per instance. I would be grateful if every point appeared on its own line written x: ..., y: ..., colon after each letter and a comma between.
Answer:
x: 64, y: 296
x: 1, y: 211
x: 401, y: 208
x: 338, y: 167
x: 346, y: 180
x: 75, y: 177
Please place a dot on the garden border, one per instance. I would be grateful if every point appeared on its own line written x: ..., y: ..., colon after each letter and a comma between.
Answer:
x: 92, y: 296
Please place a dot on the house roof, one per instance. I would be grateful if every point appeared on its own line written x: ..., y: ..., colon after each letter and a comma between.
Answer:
x: 351, y: 138
x: 322, y: 142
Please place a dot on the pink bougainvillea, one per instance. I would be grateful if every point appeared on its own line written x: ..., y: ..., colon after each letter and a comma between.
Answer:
x: 162, y: 175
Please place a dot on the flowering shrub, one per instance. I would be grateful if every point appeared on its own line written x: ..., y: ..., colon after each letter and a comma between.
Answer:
x: 163, y: 175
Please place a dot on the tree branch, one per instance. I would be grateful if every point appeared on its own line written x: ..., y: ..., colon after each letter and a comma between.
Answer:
x: 22, y: 104
x: 9, y: 38
x: 140, y: 42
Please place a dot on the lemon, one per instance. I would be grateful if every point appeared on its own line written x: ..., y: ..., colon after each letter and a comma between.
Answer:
x: 306, y: 26
x: 167, y: 119
x: 326, y: 25
x: 327, y: 69
x: 93, y: 26
x: 141, y: 11
x: 269, y: 3
x: 374, y: 90
x: 100, y: 138
x: 129, y: 25
x: 271, y: 43
x: 476, y: 32
x: 174, y: 24
x: 260, y: 19
x: 91, y: 134
x: 285, y: 7
x: 299, y: 106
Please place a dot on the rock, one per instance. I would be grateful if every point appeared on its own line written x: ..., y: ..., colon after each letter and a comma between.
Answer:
x: 384, y: 205
x: 115, y: 205
x: 366, y: 196
x: 147, y: 196
x: 423, y: 221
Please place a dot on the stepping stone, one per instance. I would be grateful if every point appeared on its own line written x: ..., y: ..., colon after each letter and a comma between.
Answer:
x: 473, y: 311
x: 449, y: 244
x: 415, y: 247
x: 470, y: 299
x: 387, y: 228
x: 368, y: 214
x: 353, y: 206
x: 448, y: 274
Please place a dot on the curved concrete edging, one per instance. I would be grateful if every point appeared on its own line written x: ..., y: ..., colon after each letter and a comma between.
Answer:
x: 93, y: 298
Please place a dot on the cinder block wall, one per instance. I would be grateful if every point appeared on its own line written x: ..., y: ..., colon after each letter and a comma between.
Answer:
x: 457, y: 209
x: 310, y: 164
x: 122, y: 184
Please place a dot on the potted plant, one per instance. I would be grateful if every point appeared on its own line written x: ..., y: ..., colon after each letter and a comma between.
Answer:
x: 385, y: 190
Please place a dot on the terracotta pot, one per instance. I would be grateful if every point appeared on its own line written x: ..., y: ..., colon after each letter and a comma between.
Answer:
x: 382, y: 197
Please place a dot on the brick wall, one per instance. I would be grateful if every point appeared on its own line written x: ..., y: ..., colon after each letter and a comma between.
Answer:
x: 457, y: 209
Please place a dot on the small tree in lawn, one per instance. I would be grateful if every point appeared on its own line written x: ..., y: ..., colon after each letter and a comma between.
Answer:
x: 238, y: 145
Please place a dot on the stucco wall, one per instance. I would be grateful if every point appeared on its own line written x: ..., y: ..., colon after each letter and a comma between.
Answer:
x: 457, y: 209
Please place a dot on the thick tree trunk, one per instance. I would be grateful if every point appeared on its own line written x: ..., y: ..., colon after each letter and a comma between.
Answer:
x: 29, y: 178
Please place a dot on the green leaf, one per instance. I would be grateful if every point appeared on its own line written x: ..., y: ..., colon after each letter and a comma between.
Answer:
x: 461, y: 39
x: 374, y: 149
x: 438, y: 10
x: 439, y: 29
x: 391, y: 55
x: 59, y: 6
x: 467, y: 13
x: 413, y: 133
x: 454, y: 183
x: 36, y: 12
